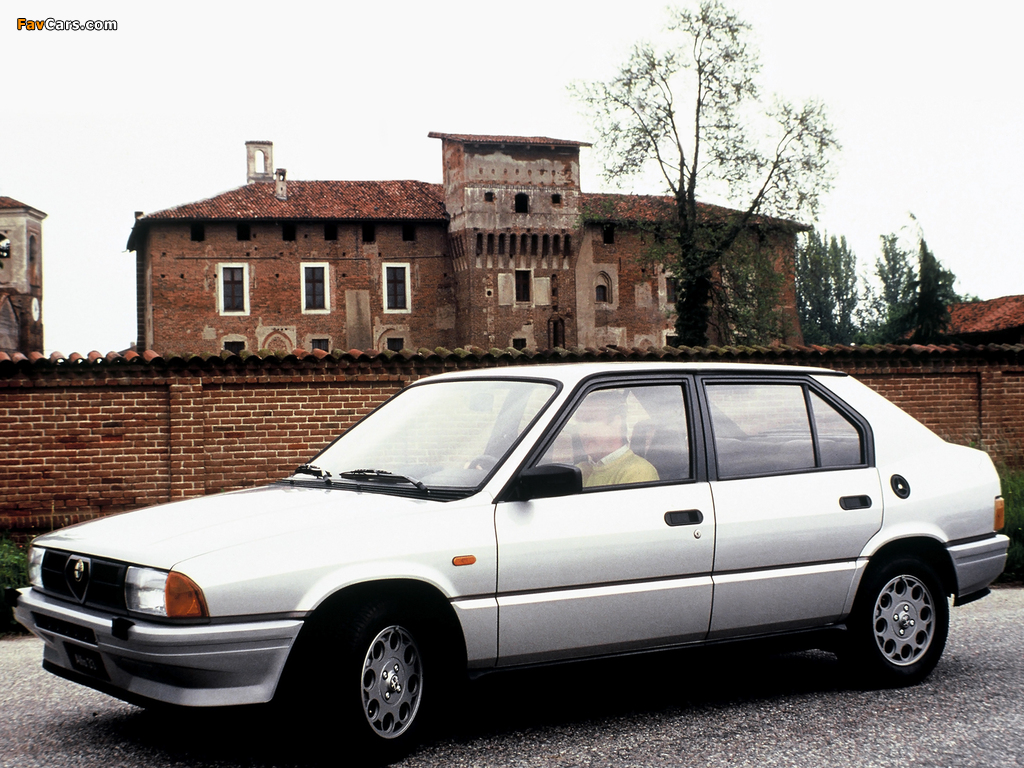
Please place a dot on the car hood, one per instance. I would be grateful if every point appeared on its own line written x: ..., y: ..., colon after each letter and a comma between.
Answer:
x: 168, y: 534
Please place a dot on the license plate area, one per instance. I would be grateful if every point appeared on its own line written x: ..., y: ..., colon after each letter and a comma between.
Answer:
x: 86, y: 661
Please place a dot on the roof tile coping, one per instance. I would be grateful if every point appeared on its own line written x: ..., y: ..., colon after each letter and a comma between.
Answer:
x: 11, y: 363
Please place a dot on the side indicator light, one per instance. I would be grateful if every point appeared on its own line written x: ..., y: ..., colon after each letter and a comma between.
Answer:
x: 183, y: 597
x: 464, y: 560
x: 1000, y: 519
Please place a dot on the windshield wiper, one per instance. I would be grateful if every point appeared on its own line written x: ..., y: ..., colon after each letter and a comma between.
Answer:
x: 312, y: 469
x: 383, y: 475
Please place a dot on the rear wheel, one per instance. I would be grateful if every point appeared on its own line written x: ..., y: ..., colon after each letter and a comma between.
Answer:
x: 899, y: 623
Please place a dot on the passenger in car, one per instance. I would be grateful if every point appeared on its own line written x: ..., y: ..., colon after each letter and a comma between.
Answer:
x: 601, y: 421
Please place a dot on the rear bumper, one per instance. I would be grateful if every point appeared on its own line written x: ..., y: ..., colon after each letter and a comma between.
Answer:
x: 196, y: 665
x: 978, y: 563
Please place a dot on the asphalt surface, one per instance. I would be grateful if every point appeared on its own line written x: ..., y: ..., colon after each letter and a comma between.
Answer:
x: 737, y: 707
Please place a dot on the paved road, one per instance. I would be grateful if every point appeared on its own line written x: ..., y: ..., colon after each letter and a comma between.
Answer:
x: 661, y: 710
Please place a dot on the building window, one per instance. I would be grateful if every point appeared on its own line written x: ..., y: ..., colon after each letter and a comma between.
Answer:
x: 488, y: 197
x: 603, y: 289
x: 512, y: 245
x: 5, y: 247
x: 324, y: 344
x: 523, y: 280
x: 671, y: 290
x: 567, y: 246
x: 233, y: 289
x: 396, y: 287
x: 243, y: 231
x: 396, y: 343
x: 522, y: 244
x: 288, y: 231
x: 608, y: 234
x: 556, y: 243
x: 479, y: 243
x: 408, y: 232
x: 518, y: 343
x: 234, y: 347
x: 331, y: 231
x: 522, y: 203
x: 198, y: 233
x: 316, y: 294
x: 369, y: 233
x: 556, y: 199
x: 490, y: 244
x: 546, y: 246
x: 533, y: 244
x: 501, y: 245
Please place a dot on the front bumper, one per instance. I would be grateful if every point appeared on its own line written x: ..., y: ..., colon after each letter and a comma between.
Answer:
x: 978, y: 563
x: 198, y: 665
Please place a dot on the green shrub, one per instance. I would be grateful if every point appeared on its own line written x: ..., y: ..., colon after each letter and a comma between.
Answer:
x: 13, y: 573
x: 1013, y: 498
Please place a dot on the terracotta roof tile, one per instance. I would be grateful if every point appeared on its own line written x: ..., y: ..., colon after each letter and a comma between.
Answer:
x: 1000, y: 314
x: 357, y: 200
x: 600, y: 206
x: 10, y: 202
x: 468, y: 138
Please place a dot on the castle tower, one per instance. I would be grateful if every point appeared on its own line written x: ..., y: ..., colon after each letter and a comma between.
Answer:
x: 21, y: 277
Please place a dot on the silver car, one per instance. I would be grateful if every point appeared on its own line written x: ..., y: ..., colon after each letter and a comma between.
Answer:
x: 499, y: 518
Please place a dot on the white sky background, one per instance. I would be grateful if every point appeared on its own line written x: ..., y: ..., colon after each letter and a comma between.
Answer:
x: 925, y: 99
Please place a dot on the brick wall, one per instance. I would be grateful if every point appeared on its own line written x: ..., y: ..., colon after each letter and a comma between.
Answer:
x: 85, y: 438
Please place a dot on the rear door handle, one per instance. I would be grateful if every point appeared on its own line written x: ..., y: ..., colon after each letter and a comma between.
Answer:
x: 855, y: 502
x: 684, y: 517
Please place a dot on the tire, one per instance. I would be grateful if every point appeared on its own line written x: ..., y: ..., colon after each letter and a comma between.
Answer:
x: 899, y: 623
x: 363, y: 676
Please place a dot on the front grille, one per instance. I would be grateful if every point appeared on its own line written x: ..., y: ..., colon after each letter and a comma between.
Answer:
x: 65, y: 628
x: 104, y: 582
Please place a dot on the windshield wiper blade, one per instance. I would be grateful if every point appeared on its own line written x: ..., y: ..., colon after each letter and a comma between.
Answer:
x: 311, y: 469
x: 383, y: 475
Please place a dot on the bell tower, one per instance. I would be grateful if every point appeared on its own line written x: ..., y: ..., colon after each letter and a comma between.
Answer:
x: 21, y: 277
x: 259, y: 161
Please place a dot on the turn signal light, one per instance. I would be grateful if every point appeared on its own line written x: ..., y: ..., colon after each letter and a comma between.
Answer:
x: 464, y: 560
x: 1000, y: 520
x: 183, y: 598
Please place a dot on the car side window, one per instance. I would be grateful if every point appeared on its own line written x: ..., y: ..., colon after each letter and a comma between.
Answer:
x: 839, y: 441
x: 760, y: 428
x: 626, y: 435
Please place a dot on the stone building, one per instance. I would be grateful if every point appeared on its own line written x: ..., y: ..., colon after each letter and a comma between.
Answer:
x: 21, y: 277
x: 506, y: 252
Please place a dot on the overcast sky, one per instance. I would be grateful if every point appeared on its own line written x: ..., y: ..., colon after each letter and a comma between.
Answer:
x: 925, y: 99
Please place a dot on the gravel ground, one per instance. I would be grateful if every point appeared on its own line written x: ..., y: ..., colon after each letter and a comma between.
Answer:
x: 726, y: 708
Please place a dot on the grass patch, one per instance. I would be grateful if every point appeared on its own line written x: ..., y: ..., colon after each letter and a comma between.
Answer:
x: 1013, y: 498
x: 13, y: 573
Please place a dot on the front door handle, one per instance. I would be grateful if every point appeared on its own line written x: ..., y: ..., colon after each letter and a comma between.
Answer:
x: 855, y: 502
x: 684, y: 517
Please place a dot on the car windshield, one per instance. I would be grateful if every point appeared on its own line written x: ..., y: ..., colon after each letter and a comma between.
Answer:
x: 443, y: 434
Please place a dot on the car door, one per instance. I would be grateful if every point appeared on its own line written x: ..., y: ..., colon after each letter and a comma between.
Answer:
x: 796, y: 498
x: 625, y: 563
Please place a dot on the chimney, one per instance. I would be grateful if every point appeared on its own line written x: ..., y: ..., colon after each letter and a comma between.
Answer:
x: 280, y: 185
x: 259, y: 161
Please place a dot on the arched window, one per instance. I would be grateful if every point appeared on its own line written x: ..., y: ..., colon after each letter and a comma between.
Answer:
x: 603, y: 288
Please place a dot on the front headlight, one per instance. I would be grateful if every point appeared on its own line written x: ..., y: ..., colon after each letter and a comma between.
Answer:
x: 162, y: 593
x: 35, y: 566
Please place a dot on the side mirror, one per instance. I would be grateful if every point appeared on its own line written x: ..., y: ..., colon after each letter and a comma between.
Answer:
x: 548, y: 481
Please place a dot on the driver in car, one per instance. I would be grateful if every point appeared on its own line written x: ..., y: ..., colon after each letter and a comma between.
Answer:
x: 601, y: 421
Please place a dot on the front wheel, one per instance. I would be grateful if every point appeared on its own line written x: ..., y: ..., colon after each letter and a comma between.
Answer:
x: 899, y: 623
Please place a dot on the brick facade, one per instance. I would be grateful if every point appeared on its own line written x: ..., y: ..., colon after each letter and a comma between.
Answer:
x: 85, y: 438
x: 506, y: 252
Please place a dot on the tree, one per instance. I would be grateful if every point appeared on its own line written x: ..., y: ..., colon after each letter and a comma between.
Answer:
x: 826, y: 289
x: 913, y: 304
x: 684, y: 111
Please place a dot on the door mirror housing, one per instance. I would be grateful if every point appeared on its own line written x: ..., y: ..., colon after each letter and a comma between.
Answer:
x: 548, y: 481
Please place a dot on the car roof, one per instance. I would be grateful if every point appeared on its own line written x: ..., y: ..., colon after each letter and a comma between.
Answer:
x: 572, y: 373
